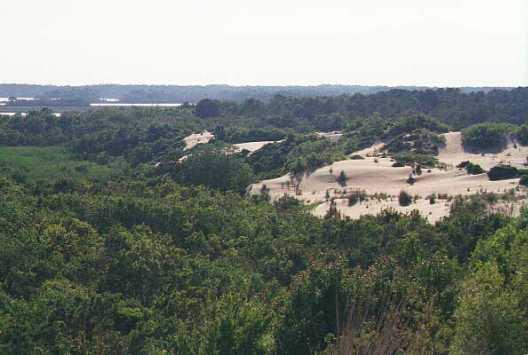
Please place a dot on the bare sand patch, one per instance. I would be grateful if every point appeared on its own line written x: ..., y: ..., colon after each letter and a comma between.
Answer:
x: 197, y: 138
x: 252, y: 147
x: 375, y: 175
x: 333, y: 136
x: 453, y: 153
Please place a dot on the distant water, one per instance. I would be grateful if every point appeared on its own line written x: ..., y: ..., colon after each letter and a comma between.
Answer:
x: 5, y: 99
x: 124, y: 104
x: 24, y: 114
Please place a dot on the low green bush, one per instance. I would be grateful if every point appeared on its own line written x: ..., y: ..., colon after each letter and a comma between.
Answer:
x: 404, y: 199
x: 503, y: 172
x: 524, y: 180
x: 472, y: 169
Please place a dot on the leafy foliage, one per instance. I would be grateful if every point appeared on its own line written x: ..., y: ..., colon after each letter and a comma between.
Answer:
x: 502, y: 172
x: 471, y: 168
x: 486, y: 136
x: 404, y: 199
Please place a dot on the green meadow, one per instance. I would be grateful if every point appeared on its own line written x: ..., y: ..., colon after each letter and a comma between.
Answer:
x: 36, y: 163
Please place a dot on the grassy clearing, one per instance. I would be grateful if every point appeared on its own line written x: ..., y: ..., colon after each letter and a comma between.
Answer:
x: 43, y: 163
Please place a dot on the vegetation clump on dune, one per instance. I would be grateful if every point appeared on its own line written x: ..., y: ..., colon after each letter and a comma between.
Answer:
x: 404, y: 198
x: 524, y: 180
x: 342, y: 179
x: 522, y: 134
x: 471, y: 168
x: 416, y: 142
x: 486, y: 136
x: 411, y: 159
x: 503, y: 172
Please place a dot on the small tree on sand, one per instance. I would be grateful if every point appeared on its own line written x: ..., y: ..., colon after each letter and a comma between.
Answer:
x: 342, y: 179
x: 404, y: 199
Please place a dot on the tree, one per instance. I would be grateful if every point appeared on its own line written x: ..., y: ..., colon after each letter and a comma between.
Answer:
x: 207, y: 108
x: 502, y: 172
x: 404, y: 199
x: 488, y: 317
x: 342, y: 178
x: 214, y: 168
x: 486, y: 136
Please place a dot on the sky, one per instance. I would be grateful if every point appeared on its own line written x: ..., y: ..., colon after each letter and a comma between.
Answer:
x: 265, y: 42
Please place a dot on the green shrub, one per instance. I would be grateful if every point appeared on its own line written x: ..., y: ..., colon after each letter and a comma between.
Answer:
x: 404, y: 199
x: 524, y: 180
x: 356, y: 196
x: 342, y: 178
x: 425, y: 160
x: 503, y: 172
x: 522, y: 134
x: 432, y: 199
x: 473, y: 169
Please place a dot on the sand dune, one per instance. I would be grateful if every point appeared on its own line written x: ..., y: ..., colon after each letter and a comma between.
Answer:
x: 375, y: 175
x: 453, y: 153
x: 252, y: 146
x: 204, y: 137
x: 197, y: 138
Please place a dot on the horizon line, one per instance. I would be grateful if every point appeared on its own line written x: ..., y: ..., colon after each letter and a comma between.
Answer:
x: 511, y: 86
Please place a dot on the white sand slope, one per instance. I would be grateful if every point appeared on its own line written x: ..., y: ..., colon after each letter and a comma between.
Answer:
x: 377, y: 176
x: 205, y: 137
x: 453, y: 153
x: 333, y: 136
x: 252, y: 147
x: 197, y: 138
x: 372, y: 151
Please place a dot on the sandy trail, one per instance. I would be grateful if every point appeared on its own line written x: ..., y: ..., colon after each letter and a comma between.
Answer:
x: 375, y: 175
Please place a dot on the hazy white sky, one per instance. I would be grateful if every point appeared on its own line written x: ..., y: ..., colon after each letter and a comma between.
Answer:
x: 389, y: 42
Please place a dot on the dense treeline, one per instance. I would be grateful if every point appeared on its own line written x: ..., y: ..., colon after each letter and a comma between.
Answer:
x: 451, y: 106
x: 175, y: 93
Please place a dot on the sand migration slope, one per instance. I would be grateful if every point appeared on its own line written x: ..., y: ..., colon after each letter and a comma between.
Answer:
x: 333, y: 136
x: 453, y: 153
x: 204, y: 137
x: 197, y: 138
x: 375, y: 175
x: 252, y: 147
